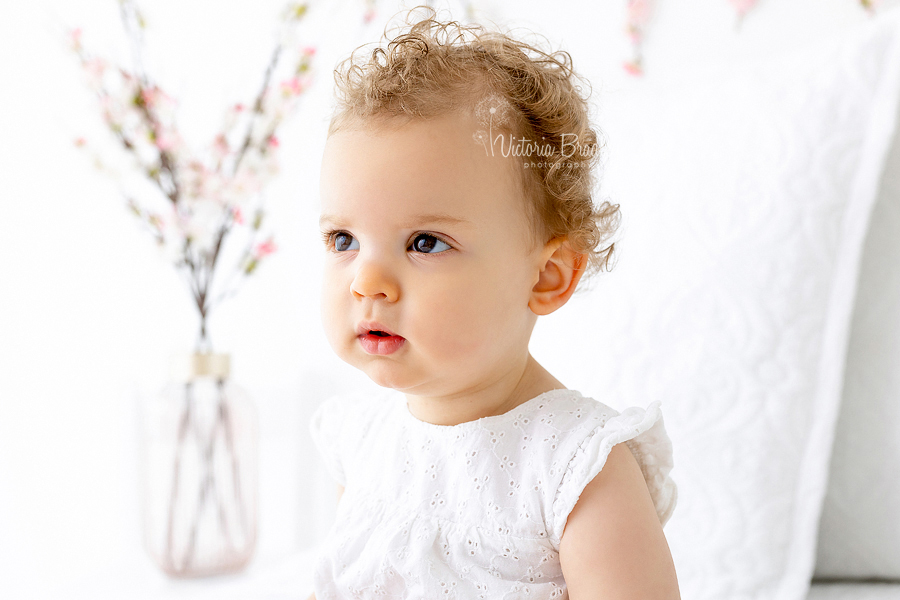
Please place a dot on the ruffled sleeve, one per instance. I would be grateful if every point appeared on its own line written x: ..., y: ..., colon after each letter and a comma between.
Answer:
x: 644, y: 432
x: 325, y: 428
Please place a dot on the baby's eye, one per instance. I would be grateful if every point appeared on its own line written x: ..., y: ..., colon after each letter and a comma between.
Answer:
x: 341, y: 241
x: 428, y: 244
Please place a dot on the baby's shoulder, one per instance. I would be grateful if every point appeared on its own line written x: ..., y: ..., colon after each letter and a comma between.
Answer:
x: 567, y: 413
x: 549, y: 429
x: 566, y: 429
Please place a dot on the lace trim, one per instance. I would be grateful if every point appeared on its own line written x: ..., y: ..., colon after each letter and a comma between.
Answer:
x: 624, y: 427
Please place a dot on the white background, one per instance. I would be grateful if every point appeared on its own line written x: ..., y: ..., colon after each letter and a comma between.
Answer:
x: 90, y: 315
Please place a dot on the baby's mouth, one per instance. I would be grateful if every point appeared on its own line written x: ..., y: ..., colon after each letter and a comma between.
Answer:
x: 374, y: 329
x: 378, y: 334
x: 377, y: 341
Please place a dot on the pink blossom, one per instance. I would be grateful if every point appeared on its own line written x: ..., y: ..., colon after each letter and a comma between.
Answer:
x: 292, y: 86
x: 238, y: 215
x: 265, y: 248
x: 112, y: 111
x: 75, y: 39
x: 95, y: 68
x: 154, y: 97
x: 634, y: 68
x: 106, y: 106
x: 239, y: 107
x: 639, y: 12
x: 309, y: 50
x: 201, y: 178
x: 273, y: 142
x: 149, y: 96
x: 220, y: 146
x: 166, y: 141
x: 743, y: 6
x: 80, y: 142
x: 246, y: 182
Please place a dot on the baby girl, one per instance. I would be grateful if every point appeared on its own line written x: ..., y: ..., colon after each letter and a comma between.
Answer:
x: 456, y: 209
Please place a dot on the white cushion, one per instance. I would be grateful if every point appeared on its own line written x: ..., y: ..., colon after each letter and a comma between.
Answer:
x: 855, y: 591
x: 746, y: 201
x: 859, y: 532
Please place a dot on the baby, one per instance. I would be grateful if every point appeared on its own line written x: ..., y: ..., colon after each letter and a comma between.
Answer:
x: 456, y: 208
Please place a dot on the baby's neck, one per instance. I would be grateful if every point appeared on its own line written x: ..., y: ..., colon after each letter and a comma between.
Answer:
x: 518, y: 387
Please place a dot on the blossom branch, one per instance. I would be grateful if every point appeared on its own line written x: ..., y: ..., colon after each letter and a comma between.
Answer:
x: 204, y: 197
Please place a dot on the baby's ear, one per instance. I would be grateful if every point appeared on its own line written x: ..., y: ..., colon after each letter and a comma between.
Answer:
x: 561, y: 269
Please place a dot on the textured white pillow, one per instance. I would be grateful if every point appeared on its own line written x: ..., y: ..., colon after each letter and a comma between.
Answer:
x: 859, y: 532
x: 746, y: 201
x: 855, y: 591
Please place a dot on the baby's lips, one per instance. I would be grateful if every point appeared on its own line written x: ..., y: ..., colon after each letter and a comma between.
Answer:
x: 367, y: 326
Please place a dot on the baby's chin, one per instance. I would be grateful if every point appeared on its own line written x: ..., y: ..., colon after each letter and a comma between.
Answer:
x: 411, y: 384
x: 382, y: 373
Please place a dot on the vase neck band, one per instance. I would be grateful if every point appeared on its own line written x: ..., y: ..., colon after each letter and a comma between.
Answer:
x: 198, y: 364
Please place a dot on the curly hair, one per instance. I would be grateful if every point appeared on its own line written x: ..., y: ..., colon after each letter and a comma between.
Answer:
x: 431, y: 68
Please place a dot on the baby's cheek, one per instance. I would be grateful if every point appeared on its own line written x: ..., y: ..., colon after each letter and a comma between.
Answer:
x: 466, y: 324
x: 331, y: 309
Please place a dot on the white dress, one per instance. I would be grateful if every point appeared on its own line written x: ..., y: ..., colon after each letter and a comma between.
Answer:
x: 474, y: 510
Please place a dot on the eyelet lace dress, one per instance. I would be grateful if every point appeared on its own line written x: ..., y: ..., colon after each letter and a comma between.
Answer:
x: 474, y: 510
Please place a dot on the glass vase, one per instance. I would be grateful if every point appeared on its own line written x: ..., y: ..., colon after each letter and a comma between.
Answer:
x: 200, y: 463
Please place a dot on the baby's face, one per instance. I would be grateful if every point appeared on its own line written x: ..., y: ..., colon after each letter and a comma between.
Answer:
x: 428, y: 240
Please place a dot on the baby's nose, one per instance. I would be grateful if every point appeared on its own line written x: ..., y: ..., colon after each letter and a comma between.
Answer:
x: 374, y: 280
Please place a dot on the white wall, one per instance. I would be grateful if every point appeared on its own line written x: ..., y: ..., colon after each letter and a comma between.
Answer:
x: 89, y: 314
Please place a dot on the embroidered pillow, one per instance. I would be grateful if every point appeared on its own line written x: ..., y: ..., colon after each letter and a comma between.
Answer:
x: 745, y: 202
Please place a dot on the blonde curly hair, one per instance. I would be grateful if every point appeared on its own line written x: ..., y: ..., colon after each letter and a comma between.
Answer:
x: 431, y: 68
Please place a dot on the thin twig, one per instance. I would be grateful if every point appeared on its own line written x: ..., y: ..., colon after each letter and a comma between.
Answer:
x: 257, y: 108
x: 131, y: 19
x: 235, y: 472
x: 183, y: 423
x: 206, y: 486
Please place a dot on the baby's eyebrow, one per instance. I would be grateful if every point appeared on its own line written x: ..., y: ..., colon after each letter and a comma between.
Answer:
x: 416, y: 221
